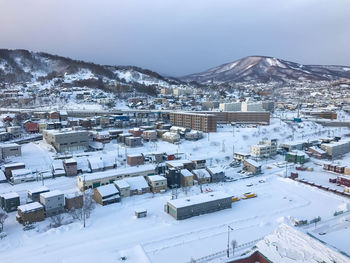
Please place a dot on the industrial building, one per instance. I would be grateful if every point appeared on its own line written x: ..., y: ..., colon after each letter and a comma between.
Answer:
x: 9, y: 149
x: 264, y: 149
x: 107, y: 177
x: 335, y: 149
x: 196, y: 205
x: 67, y: 140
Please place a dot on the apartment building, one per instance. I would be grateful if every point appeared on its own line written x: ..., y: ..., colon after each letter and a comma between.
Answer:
x: 264, y: 149
x: 235, y: 106
x: 66, y: 140
x: 197, y: 121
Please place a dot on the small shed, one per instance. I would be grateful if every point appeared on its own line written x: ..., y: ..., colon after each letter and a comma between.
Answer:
x: 30, y: 213
x: 106, y: 194
x: 139, y: 213
x: 9, y: 201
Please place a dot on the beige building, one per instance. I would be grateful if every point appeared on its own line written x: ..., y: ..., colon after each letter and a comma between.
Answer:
x: 264, y: 149
x: 158, y: 183
x: 196, y: 121
x: 67, y: 140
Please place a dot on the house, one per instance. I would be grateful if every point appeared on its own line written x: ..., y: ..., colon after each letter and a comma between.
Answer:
x: 121, y: 138
x: 180, y: 164
x: 138, y: 185
x: 95, y: 164
x: 136, y: 132
x: 133, y: 141
x: 53, y: 202
x: 54, y: 115
x: 186, y: 178
x: 134, y: 159
x: 239, y: 156
x: 171, y: 137
x: 5, y: 136
x: 252, y: 166
x: 217, y: 174
x: 106, y: 194
x: 58, y: 168
x: 123, y: 188
x: 30, y: 213
x: 31, y: 127
x: 199, y: 163
x: 113, y: 134
x: 9, y: 201
x: 173, y: 177
x: 158, y: 183
x: 73, y: 201
x: 194, y: 135
x: 9, y: 150
x: 149, y: 135
x: 202, y: 176
x: 14, y: 130
x: 34, y: 194
x: 70, y: 167
x: 186, y: 207
x: 139, y: 213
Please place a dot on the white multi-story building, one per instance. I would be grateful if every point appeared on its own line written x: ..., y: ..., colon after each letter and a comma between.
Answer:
x: 234, y: 106
x: 264, y: 149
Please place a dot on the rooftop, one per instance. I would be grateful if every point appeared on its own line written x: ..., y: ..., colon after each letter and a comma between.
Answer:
x: 51, y: 194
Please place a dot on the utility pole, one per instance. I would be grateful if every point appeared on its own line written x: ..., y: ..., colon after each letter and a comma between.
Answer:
x: 228, y: 240
x: 83, y: 201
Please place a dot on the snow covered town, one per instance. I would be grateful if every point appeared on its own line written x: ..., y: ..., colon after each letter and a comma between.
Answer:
x: 147, y: 186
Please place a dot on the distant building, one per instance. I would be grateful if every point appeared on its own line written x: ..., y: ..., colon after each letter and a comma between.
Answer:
x: 134, y: 159
x: 234, y: 106
x: 335, y: 149
x: 34, y: 194
x: 296, y: 157
x: 252, y: 166
x: 196, y: 121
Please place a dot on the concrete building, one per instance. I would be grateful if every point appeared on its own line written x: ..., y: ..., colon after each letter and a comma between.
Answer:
x: 67, y: 140
x: 30, y: 213
x: 173, y: 177
x: 14, y: 130
x: 150, y: 135
x: 106, y: 194
x: 171, y: 137
x: 202, y: 176
x: 158, y: 183
x: 234, y: 106
x: 53, y: 202
x: 252, y: 106
x: 10, y: 149
x: 264, y: 149
x: 335, y: 149
x: 138, y: 185
x: 240, y: 156
x: 196, y: 121
x: 9, y: 201
x: 133, y: 141
x: 196, y: 205
x: 296, y: 157
x: 73, y: 201
x: 249, y: 117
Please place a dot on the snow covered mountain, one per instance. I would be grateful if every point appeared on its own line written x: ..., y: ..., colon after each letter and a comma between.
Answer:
x: 25, y: 66
x: 265, y: 69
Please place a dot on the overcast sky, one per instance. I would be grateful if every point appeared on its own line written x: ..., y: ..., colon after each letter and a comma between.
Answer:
x: 178, y: 37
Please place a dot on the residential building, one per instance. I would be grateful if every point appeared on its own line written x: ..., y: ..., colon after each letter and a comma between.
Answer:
x: 34, y: 194
x: 150, y: 135
x: 14, y: 130
x: 133, y: 141
x: 196, y: 121
x: 171, y: 137
x: 199, y: 163
x: 66, y: 140
x: 22, y: 175
x: 53, y: 202
x: 264, y: 149
x: 173, y: 177
x: 240, y: 156
x: 8, y: 168
x: 73, y: 201
x: 123, y: 188
x: 158, y: 183
x: 217, y: 174
x: 202, y: 176
x: 134, y: 159
x: 106, y: 194
x: 30, y: 213
x: 186, y: 207
x: 138, y: 185
x: 252, y: 166
x: 234, y: 106
x: 70, y: 166
x: 186, y: 178
x: 252, y: 106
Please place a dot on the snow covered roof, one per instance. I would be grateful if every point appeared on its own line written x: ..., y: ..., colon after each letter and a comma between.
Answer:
x: 186, y: 173
x: 215, y: 170
x: 106, y: 190
x: 57, y: 165
x: 95, y: 163
x: 155, y: 178
x: 318, y: 150
x: 38, y: 190
x: 137, y: 182
x: 121, y: 184
x: 198, y: 199
x: 178, y: 163
x: 204, y: 173
x: 252, y: 162
x: 70, y: 161
x: 288, y: 245
x: 51, y: 194
x: 2, y: 176
x: 4, y: 145
x: 9, y: 195
x: 10, y: 165
x: 30, y: 207
x: 21, y: 172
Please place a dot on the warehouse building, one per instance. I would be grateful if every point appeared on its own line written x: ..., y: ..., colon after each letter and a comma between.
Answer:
x: 196, y: 205
x: 335, y: 149
x: 10, y: 149
x: 67, y: 140
x: 53, y: 202
x: 9, y: 201
x: 107, y: 177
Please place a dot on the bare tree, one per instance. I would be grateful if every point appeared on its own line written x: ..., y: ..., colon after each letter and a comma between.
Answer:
x: 89, y: 204
x: 3, y: 217
x: 200, y: 177
x: 56, y: 221
x: 76, y: 214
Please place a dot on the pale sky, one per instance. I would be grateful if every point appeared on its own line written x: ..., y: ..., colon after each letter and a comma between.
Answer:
x: 179, y: 37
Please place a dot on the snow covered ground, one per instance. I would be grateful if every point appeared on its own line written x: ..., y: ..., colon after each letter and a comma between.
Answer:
x: 113, y: 231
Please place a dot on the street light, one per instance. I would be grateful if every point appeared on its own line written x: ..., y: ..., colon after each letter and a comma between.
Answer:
x: 228, y: 240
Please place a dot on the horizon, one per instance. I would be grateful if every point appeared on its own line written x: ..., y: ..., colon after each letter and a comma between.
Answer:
x: 179, y: 39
